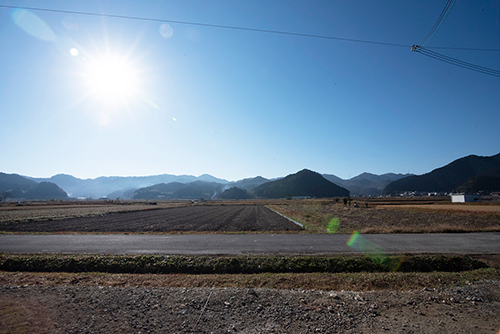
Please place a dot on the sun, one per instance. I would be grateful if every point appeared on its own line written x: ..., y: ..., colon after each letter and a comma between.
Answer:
x: 112, y: 80
x: 114, y: 84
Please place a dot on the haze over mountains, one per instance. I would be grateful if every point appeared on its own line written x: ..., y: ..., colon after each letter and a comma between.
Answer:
x: 117, y: 186
x: 468, y: 174
x: 16, y: 186
x: 366, y: 184
x: 168, y: 186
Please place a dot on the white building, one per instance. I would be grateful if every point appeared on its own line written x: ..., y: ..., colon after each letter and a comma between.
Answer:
x: 462, y: 198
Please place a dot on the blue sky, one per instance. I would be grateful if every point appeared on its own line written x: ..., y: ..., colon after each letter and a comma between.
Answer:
x: 188, y: 99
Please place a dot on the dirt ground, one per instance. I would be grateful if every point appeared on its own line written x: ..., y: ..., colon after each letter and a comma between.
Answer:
x: 34, y: 305
x: 101, y: 309
x: 370, y: 216
x: 232, y: 218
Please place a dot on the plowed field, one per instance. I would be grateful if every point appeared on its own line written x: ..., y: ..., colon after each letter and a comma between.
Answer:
x: 196, y: 218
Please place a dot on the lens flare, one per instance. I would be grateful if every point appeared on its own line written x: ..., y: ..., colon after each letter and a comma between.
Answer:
x: 374, y: 252
x: 166, y: 31
x: 70, y: 23
x: 333, y: 225
x: 401, y: 260
x: 31, y: 24
x: 368, y: 248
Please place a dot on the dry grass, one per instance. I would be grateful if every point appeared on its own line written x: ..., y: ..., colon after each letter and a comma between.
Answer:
x: 310, y: 281
x: 402, y: 218
x: 448, y: 208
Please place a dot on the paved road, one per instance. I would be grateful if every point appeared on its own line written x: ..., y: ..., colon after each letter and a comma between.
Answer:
x: 470, y: 243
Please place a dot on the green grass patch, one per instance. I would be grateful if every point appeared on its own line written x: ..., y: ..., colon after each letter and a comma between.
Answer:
x: 162, y: 264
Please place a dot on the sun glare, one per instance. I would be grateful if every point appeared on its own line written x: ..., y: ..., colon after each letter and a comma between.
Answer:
x: 112, y: 80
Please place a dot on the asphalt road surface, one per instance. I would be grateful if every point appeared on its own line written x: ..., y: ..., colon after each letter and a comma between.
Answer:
x: 198, y: 244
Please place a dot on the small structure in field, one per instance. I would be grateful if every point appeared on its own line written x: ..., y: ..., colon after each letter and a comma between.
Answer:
x: 462, y: 198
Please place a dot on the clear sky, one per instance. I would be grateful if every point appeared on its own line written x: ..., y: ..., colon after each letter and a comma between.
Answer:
x: 92, y: 96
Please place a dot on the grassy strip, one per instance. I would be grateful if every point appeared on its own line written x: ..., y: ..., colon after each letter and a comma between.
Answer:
x: 160, y: 264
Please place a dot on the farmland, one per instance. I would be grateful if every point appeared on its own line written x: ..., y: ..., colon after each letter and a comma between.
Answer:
x: 283, y: 302
x: 40, y: 211
x: 232, y: 218
x: 421, y: 215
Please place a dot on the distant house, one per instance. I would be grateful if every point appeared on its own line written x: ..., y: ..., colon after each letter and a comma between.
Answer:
x: 462, y: 198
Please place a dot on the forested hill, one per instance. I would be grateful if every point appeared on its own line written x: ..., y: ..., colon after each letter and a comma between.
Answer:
x: 470, y: 173
x: 303, y: 183
x: 14, y: 186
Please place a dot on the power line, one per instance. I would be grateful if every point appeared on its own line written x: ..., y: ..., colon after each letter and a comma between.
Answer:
x: 206, y: 25
x: 444, y: 14
x: 461, y: 49
x: 279, y: 32
x: 454, y: 61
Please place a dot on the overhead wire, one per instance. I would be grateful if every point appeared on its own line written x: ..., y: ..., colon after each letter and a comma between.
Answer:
x: 444, y: 14
x: 139, y: 18
x: 450, y: 60
x: 461, y: 49
x: 417, y: 48
x: 456, y: 62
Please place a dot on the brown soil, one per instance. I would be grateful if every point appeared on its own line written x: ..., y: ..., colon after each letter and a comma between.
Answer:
x: 474, y: 308
x: 232, y: 218
x: 19, y: 315
x: 38, y: 212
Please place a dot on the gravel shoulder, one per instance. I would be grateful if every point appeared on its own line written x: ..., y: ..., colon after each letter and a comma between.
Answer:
x: 66, y: 309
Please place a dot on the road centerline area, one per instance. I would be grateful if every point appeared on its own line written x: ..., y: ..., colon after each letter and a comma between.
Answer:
x: 228, y: 244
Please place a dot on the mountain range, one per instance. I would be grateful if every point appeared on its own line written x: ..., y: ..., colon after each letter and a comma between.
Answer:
x: 16, y: 186
x: 305, y: 183
x: 117, y: 186
x: 468, y: 174
x: 366, y: 184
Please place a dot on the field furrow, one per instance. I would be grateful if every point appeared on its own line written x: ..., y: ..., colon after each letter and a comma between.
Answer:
x: 193, y: 219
